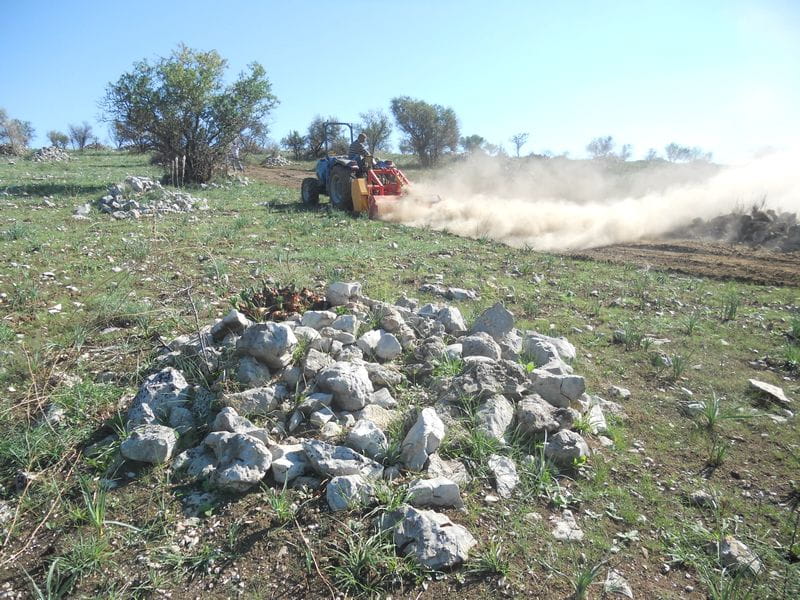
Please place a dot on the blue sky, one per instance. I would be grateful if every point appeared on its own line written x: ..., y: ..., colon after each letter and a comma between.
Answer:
x: 723, y: 75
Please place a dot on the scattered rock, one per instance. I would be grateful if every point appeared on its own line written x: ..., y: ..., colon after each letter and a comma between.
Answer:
x: 565, y: 527
x: 771, y: 392
x: 271, y: 343
x: 432, y: 538
x: 566, y: 447
x: 367, y: 438
x: 735, y: 555
x: 243, y: 460
x: 615, y: 583
x: 480, y: 344
x: 495, y: 417
x: 332, y: 461
x: 349, y: 383
x: 497, y: 321
x: 347, y: 492
x: 422, y: 440
x: 150, y: 444
x: 504, y: 473
x: 438, y: 492
x: 288, y: 462
x: 340, y: 293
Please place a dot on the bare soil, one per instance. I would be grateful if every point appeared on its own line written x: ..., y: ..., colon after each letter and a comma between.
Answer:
x: 707, y: 259
x: 291, y: 176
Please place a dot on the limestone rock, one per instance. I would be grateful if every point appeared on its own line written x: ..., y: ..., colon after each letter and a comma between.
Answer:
x: 367, y: 438
x: 432, y: 538
x: 565, y: 528
x: 771, y: 392
x: 317, y: 319
x: 558, y: 390
x: 437, y: 491
x: 453, y: 321
x: 422, y: 440
x: 234, y: 322
x: 497, y: 321
x: 388, y: 347
x: 480, y: 344
x: 504, y: 473
x: 243, y: 460
x: 615, y: 583
x: 288, y: 462
x: 735, y: 555
x: 454, y: 470
x: 332, y: 461
x: 150, y: 444
x: 349, y: 384
x: 228, y: 420
x: 347, y: 492
x: 252, y: 372
x: 565, y: 447
x: 256, y: 401
x: 159, y: 392
x: 271, y: 343
x: 340, y: 293
x: 495, y: 417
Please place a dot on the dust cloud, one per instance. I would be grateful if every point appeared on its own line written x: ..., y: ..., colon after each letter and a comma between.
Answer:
x: 561, y: 204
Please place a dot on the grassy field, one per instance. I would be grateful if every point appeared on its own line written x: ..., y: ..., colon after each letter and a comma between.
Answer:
x: 86, y: 306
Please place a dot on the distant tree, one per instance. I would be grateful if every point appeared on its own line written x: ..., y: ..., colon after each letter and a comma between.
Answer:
x: 80, y: 135
x: 295, y: 143
x: 181, y: 106
x: 315, y: 138
x: 519, y: 140
x: 652, y: 154
x: 625, y: 152
x: 15, y: 135
x: 601, y: 147
x: 472, y: 143
x: 377, y: 126
x: 58, y: 139
x: 676, y: 152
x: 429, y: 129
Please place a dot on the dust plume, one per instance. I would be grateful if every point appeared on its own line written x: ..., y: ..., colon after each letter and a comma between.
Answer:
x: 561, y: 204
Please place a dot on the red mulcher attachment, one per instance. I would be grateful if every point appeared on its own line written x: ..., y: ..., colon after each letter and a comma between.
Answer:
x: 380, y: 187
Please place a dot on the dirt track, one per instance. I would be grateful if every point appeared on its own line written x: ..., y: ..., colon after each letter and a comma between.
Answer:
x: 707, y: 259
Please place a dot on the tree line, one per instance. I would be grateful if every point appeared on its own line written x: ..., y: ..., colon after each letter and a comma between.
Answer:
x: 181, y: 106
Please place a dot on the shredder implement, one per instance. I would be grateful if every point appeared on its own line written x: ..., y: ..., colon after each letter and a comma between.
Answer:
x: 356, y: 184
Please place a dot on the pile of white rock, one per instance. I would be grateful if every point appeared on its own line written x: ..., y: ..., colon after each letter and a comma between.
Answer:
x: 322, y: 385
x: 275, y: 161
x: 142, y: 196
x: 50, y: 154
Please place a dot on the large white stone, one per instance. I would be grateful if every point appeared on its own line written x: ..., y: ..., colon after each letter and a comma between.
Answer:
x: 347, y: 492
x: 150, y: 444
x: 271, y: 343
x: 349, y: 383
x: 437, y: 492
x: 422, y: 440
x: 432, y: 538
x: 367, y: 438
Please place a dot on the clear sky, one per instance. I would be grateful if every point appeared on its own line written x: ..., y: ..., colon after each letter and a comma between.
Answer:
x: 720, y: 74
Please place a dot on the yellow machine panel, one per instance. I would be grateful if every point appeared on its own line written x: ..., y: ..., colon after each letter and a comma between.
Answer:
x: 360, y: 195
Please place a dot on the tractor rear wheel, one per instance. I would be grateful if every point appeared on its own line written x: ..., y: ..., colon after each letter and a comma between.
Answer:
x: 309, y: 191
x: 340, y: 188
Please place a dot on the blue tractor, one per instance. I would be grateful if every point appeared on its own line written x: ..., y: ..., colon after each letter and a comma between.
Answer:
x: 334, y: 176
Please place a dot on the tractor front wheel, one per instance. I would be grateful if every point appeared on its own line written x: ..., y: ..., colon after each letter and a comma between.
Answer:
x: 309, y: 191
x: 340, y: 188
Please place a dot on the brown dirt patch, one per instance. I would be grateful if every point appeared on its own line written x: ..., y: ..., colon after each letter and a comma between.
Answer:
x: 291, y: 176
x: 706, y: 259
